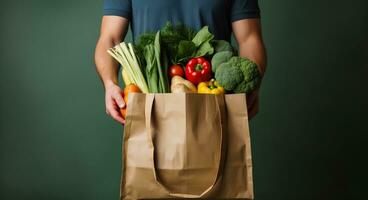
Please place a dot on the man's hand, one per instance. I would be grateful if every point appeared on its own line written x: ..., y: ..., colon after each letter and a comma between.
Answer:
x: 114, y: 101
x: 253, y: 103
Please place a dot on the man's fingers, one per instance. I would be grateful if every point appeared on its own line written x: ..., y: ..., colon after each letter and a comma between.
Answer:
x: 113, y: 111
x: 251, y: 99
x: 114, y: 102
x: 119, y: 100
x: 116, y: 116
x: 254, y: 109
x: 253, y: 103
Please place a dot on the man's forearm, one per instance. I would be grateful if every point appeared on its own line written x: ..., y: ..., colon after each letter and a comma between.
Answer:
x: 106, y: 66
x: 253, y: 48
x: 248, y: 34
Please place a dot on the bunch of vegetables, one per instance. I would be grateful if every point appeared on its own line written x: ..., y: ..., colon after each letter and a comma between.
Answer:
x: 177, y: 59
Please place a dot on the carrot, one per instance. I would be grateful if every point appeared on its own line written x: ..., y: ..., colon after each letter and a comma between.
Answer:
x: 131, y: 88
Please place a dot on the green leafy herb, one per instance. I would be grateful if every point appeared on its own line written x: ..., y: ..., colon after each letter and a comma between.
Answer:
x: 170, y: 39
x: 202, y: 41
x: 222, y: 45
x: 202, y: 36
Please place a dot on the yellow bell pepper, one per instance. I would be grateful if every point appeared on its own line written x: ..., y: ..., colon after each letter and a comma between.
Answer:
x: 210, y: 87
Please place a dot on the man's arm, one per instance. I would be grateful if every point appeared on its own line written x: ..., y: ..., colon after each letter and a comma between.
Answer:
x: 113, y: 29
x: 248, y: 34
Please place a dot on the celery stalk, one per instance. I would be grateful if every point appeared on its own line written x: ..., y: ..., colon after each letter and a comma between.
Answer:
x: 125, y: 55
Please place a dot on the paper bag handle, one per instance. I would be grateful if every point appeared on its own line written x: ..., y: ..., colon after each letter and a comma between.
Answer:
x: 150, y: 98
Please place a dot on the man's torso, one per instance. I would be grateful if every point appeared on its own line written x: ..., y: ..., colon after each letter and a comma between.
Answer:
x: 151, y: 15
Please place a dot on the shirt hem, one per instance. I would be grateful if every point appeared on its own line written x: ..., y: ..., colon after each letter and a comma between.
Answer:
x: 116, y: 12
x: 245, y: 15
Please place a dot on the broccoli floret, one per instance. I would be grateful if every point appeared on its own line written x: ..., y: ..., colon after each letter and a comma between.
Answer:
x: 250, y: 76
x: 228, y: 76
x: 247, y: 87
x: 248, y: 67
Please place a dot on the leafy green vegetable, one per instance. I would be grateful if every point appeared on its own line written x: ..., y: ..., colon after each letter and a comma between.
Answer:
x: 171, y: 36
x: 177, y: 32
x: 145, y: 40
x: 185, y: 50
x: 163, y: 84
x: 219, y: 58
x: 204, y: 50
x: 202, y: 41
x: 239, y: 75
x: 151, y: 68
x: 222, y: 45
x: 180, y: 42
x: 165, y: 67
x: 139, y: 53
x: 202, y: 36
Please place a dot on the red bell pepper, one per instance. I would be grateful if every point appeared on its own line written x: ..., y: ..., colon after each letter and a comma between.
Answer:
x: 198, y: 70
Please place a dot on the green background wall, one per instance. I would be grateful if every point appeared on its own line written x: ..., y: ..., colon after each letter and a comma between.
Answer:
x: 56, y: 141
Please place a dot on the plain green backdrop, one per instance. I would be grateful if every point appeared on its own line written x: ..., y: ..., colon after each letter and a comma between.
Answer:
x: 56, y: 141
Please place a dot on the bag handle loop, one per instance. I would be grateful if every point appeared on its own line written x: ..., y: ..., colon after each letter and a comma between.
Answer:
x: 150, y: 98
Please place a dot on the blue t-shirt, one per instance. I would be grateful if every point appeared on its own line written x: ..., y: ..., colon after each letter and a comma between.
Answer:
x: 150, y: 15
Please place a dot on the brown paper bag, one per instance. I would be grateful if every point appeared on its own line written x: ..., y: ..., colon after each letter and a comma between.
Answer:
x: 186, y: 146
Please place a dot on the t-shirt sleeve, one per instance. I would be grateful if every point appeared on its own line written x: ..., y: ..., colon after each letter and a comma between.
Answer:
x: 121, y: 8
x: 244, y: 9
